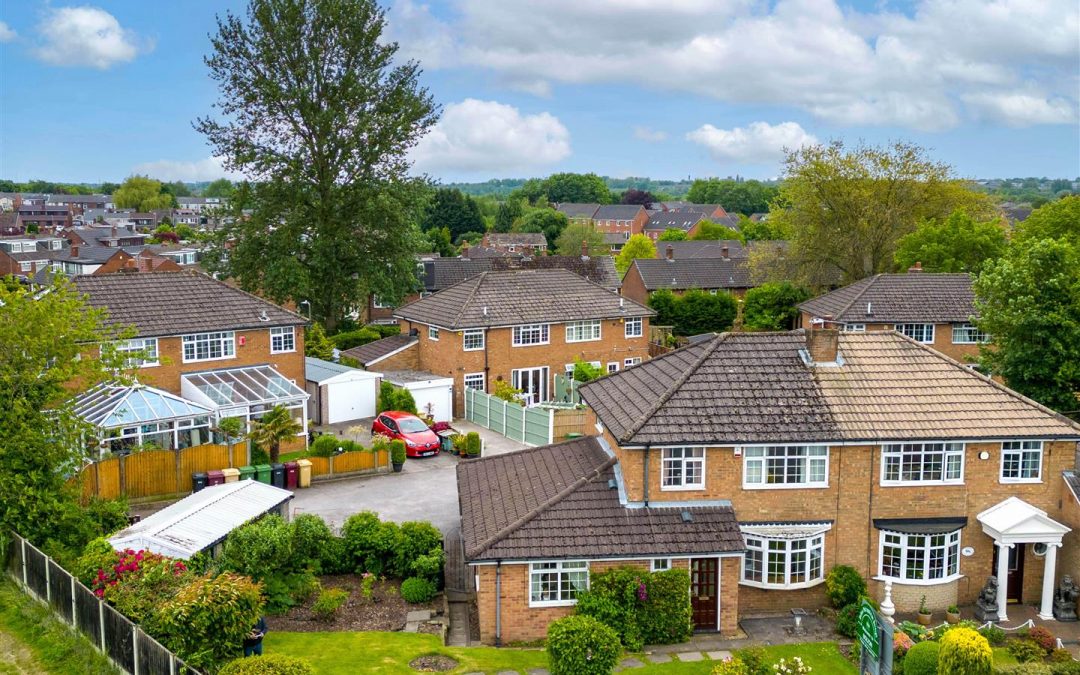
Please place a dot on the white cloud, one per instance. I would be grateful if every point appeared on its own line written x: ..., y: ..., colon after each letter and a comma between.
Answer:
x: 912, y: 70
x: 757, y: 143
x: 1021, y: 110
x: 649, y: 135
x: 85, y: 36
x: 7, y: 33
x: 488, y: 136
x: 210, y: 168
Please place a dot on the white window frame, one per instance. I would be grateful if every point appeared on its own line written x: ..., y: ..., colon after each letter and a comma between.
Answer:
x: 764, y: 548
x: 948, y: 450
x: 147, y: 345
x: 789, y: 456
x: 282, y: 335
x: 379, y: 303
x: 612, y: 367
x: 1021, y: 448
x: 583, y: 331
x: 483, y: 381
x: 659, y: 564
x: 669, y: 460
x: 433, y: 333
x: 639, y: 329
x: 225, y: 339
x: 531, y: 334
x: 631, y: 362
x: 909, y: 329
x: 854, y: 328
x: 968, y: 334
x: 562, y: 570
x: 25, y: 266
x: 909, y: 552
x: 472, y: 333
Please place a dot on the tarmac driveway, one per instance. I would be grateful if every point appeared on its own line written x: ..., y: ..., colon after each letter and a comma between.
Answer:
x: 426, y: 489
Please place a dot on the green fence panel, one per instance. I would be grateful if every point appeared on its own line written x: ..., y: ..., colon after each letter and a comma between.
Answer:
x: 515, y: 423
x: 537, y: 426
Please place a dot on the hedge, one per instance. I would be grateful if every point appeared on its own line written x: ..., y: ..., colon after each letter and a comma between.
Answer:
x: 581, y: 645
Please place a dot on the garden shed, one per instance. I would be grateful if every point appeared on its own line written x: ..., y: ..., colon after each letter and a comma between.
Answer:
x: 339, y: 393
x: 431, y: 392
x: 201, y: 521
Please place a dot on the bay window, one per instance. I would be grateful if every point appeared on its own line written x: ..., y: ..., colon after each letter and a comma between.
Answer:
x: 783, y: 561
x: 906, y: 463
x: 786, y: 466
x: 929, y: 557
x: 557, y: 583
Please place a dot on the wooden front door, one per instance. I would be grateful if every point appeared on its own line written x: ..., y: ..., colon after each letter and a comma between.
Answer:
x: 704, y: 592
x: 1014, y: 585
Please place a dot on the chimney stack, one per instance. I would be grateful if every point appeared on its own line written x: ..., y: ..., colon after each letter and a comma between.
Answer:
x: 584, y: 248
x: 465, y: 249
x: 74, y: 250
x: 823, y: 344
x: 130, y: 266
x: 670, y: 252
x: 915, y: 269
x: 113, y: 232
x: 724, y: 252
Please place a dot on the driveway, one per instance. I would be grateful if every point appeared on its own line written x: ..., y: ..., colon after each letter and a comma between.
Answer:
x: 426, y: 489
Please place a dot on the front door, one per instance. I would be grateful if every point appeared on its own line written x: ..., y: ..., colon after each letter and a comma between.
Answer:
x: 704, y: 591
x: 1014, y: 585
x: 533, y: 383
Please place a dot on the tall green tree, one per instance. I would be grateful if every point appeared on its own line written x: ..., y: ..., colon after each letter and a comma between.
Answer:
x: 585, y: 188
x: 1055, y: 220
x: 569, y: 242
x: 42, y: 441
x: 508, y: 213
x: 710, y: 231
x: 773, y: 306
x: 847, y: 209
x: 694, y: 312
x: 318, y: 110
x: 546, y: 220
x: 222, y: 187
x: 274, y: 427
x: 143, y: 194
x: 317, y: 344
x: 637, y: 246
x: 672, y: 234
x: 454, y: 210
x: 759, y: 230
x: 958, y: 243
x: 745, y: 197
x: 177, y: 188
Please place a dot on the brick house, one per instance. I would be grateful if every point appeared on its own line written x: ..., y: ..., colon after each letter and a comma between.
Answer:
x: 578, y: 213
x: 521, y: 327
x: 934, y: 309
x: 684, y: 221
x: 715, y: 275
x: 524, y: 243
x: 624, y: 219
x: 213, y: 347
x: 863, y: 449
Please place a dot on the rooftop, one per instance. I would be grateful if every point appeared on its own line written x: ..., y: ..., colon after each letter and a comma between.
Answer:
x: 618, y: 212
x: 898, y: 298
x: 376, y: 351
x: 703, y: 248
x: 687, y: 273
x: 577, y: 210
x: 442, y: 273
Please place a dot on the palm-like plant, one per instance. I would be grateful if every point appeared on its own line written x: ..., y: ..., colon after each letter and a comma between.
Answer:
x: 275, y: 426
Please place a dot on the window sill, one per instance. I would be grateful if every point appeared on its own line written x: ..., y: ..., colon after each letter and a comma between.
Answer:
x: 472, y: 349
x: 799, y: 486
x: 1020, y: 481
x: 552, y: 603
x: 926, y: 483
x: 919, y: 582
x: 531, y: 344
x: 782, y: 587
x: 218, y: 358
x: 283, y: 351
x: 574, y: 342
x: 682, y: 488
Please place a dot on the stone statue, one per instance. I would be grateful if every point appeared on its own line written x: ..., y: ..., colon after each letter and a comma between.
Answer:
x: 986, y: 608
x: 1065, y: 599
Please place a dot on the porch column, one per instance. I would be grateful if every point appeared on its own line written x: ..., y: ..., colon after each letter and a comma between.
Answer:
x: 1003, y: 579
x: 1046, y: 612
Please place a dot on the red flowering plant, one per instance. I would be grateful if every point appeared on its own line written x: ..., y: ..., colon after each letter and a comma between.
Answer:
x: 135, y: 582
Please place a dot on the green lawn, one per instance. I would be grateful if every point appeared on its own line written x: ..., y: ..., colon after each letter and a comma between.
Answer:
x: 390, y: 653
x: 33, y: 641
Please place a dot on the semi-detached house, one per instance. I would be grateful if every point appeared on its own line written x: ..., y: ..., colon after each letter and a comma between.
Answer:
x: 821, y: 448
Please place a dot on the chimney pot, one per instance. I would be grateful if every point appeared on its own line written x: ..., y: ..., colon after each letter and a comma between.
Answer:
x: 915, y: 269
x: 670, y: 252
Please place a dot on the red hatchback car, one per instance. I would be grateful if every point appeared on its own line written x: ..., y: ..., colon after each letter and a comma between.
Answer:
x: 420, y: 441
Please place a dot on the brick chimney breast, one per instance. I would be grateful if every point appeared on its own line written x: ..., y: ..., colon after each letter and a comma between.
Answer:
x: 823, y: 344
x: 724, y: 252
x: 670, y: 252
x: 74, y: 250
x: 584, y: 248
x: 915, y: 269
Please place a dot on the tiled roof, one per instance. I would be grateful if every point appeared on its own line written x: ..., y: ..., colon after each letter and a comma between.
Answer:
x: 618, y: 212
x: 676, y: 220
x: 445, y: 272
x: 178, y: 303
x: 681, y: 274
x: 755, y: 387
x: 478, y: 252
x: 704, y: 248
x: 554, y: 502
x: 1072, y: 480
x: 516, y: 239
x: 896, y: 298
x: 577, y: 210
x: 91, y: 254
x: 372, y: 352
x: 517, y: 297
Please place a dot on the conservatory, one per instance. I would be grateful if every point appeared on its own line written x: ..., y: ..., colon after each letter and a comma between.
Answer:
x: 137, y: 416
x: 246, y: 392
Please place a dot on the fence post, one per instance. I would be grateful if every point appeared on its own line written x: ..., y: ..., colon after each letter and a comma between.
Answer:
x: 524, y: 422
x: 25, y: 580
x: 135, y: 645
x: 505, y: 406
x: 101, y: 624
x: 48, y: 583
x: 331, y: 463
x: 74, y: 603
x: 551, y: 426
x: 122, y: 471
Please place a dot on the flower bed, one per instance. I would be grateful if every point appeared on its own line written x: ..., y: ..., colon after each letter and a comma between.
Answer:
x: 384, y: 611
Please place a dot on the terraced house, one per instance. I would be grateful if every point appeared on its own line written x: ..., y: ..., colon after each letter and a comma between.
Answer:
x: 520, y: 327
x: 863, y: 449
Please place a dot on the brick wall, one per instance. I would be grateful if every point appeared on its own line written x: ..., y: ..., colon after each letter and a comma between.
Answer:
x: 942, y: 339
x: 446, y: 355
x: 633, y: 286
x: 1068, y: 556
x: 854, y: 498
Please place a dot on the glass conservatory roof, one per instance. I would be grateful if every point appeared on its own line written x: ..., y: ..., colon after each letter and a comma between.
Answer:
x: 245, y: 386
x: 110, y: 405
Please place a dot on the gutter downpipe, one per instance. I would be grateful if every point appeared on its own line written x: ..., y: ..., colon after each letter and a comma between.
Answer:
x: 648, y: 447
x: 498, y: 603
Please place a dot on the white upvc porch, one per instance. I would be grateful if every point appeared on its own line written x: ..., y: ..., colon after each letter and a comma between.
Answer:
x: 1013, y: 522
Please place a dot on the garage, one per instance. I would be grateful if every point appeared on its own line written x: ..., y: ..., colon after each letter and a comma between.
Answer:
x: 432, y: 393
x: 339, y: 393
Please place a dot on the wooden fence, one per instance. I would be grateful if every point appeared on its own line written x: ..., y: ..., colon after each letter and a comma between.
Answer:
x: 356, y: 462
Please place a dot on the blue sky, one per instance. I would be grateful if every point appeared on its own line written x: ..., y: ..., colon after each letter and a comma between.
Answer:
x: 660, y: 88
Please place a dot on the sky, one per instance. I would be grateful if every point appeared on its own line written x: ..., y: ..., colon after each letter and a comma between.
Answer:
x: 659, y: 88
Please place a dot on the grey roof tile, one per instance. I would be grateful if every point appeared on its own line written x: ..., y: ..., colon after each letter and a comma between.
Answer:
x: 442, y: 273
x: 618, y: 212
x: 898, y: 298
x: 372, y: 352
x: 687, y: 273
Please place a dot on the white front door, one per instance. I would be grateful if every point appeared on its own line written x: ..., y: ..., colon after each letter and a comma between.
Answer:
x: 533, y: 383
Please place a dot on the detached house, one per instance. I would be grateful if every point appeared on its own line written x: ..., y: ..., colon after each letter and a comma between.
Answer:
x: 203, y: 351
x: 624, y: 219
x: 684, y: 221
x: 934, y: 309
x: 521, y: 327
x: 715, y: 275
x: 826, y: 448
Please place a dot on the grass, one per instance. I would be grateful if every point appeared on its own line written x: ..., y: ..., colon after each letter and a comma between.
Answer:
x: 1002, y: 657
x: 29, y: 631
x: 390, y: 654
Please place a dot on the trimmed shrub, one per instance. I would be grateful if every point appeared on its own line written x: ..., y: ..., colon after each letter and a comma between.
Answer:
x: 1023, y: 669
x: 922, y: 659
x: 607, y: 610
x: 581, y: 645
x: 430, y: 565
x: 268, y: 664
x: 1066, y: 668
x: 472, y: 444
x: 847, y: 623
x: 325, y: 446
x: 369, y: 541
x: 965, y: 652
x: 311, y: 537
x: 994, y: 635
x: 731, y: 666
x: 206, y: 621
x: 1043, y: 637
x: 397, y: 451
x: 416, y: 590
x: 355, y: 338
x: 844, y: 586
x: 329, y: 602
x: 755, y: 660
x: 416, y: 539
x: 666, y: 618
x: 641, y: 607
x: 1061, y: 656
x: 1025, y: 651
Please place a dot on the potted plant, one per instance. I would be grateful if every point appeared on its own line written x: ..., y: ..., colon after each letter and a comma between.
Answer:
x: 459, y: 442
x: 924, y: 614
x: 472, y: 444
x: 952, y: 614
x: 397, y: 454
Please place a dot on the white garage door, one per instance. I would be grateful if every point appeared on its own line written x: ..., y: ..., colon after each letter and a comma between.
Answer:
x: 441, y: 398
x: 348, y: 401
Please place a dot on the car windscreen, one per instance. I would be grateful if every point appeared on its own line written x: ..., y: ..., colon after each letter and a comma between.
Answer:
x: 411, y: 425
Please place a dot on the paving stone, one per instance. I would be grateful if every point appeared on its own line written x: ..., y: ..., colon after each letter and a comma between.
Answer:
x: 412, y: 627
x: 719, y: 655
x: 507, y: 672
x: 690, y: 656
x: 631, y: 663
x: 538, y: 671
x: 418, y: 615
x: 661, y: 657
